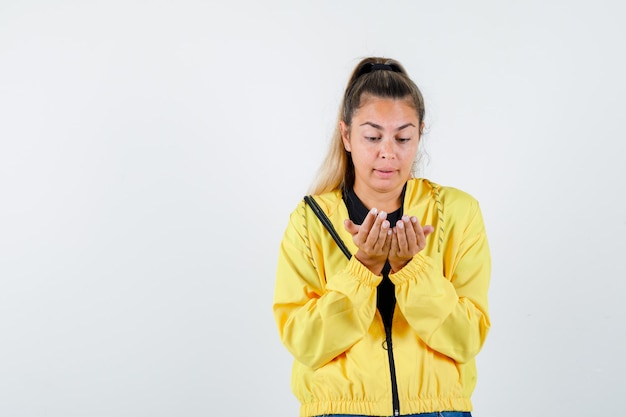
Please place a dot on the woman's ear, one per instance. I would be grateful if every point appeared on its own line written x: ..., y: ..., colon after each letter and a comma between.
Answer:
x: 345, y: 135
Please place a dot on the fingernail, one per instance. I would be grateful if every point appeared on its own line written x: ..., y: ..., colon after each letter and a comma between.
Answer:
x: 414, y: 219
x: 400, y: 225
x: 405, y: 218
x: 385, y: 224
x: 374, y: 210
x: 382, y: 214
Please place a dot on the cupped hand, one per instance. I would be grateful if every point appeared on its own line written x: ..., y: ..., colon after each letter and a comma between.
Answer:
x: 373, y: 238
x: 408, y: 238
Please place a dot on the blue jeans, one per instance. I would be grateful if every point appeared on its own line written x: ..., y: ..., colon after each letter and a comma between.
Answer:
x: 437, y: 414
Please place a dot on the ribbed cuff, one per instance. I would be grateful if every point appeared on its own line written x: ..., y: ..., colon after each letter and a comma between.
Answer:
x: 361, y: 273
x: 412, y: 270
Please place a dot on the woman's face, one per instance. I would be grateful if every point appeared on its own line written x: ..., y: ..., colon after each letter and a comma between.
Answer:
x: 383, y: 139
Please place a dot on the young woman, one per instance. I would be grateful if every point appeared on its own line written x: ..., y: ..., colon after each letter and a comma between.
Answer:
x: 390, y: 325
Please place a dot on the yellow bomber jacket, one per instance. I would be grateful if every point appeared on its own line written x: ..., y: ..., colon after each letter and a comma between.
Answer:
x: 325, y: 309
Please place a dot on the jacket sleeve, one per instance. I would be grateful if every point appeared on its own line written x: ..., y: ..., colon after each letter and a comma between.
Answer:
x: 319, y: 317
x: 447, y: 307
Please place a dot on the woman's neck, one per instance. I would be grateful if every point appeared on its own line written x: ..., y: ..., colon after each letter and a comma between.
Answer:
x: 387, y: 201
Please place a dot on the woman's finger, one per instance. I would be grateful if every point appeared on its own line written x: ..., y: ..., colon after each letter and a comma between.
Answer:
x: 403, y: 244
x: 415, y: 235
x: 375, y: 231
x: 350, y: 227
x: 382, y: 235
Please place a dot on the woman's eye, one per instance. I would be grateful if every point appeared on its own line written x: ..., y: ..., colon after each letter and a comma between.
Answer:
x: 402, y: 140
x: 372, y: 138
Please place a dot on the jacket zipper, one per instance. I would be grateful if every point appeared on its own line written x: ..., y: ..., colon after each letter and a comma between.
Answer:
x: 392, y: 368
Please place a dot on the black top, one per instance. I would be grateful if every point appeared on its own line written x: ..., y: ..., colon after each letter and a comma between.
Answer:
x: 385, y: 296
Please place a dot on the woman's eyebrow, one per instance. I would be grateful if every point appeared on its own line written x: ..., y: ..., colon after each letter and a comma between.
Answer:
x: 379, y: 127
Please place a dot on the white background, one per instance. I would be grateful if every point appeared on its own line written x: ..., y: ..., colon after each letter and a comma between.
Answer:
x: 151, y: 152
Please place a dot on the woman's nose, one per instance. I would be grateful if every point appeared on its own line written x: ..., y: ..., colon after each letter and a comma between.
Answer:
x: 386, y: 149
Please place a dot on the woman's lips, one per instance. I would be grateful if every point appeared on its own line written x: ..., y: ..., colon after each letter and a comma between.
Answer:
x: 385, y: 173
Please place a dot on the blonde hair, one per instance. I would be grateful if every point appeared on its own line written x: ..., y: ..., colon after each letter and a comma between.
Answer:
x: 373, y: 76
